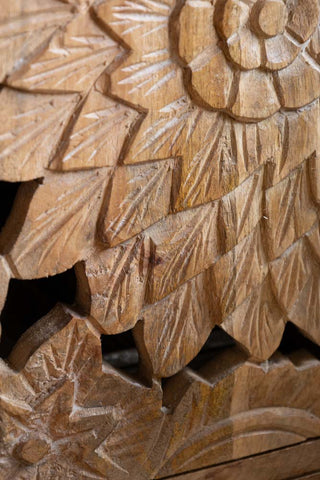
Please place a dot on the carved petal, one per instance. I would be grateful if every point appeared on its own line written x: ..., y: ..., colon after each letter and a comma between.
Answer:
x: 244, y: 49
x: 212, y: 77
x: 25, y: 28
x: 174, y: 329
x: 257, y: 324
x: 111, y: 285
x: 299, y: 83
x: 197, y: 32
x: 313, y: 47
x: 31, y: 126
x: 289, y: 212
x: 59, y: 217
x: 97, y: 136
x: 279, y: 52
x: 73, y: 60
x: 256, y: 98
x: 231, y: 16
x: 140, y: 196
x: 303, y: 18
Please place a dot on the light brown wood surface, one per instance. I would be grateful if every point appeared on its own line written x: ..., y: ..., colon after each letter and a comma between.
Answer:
x: 67, y: 414
x: 286, y: 464
x: 168, y: 154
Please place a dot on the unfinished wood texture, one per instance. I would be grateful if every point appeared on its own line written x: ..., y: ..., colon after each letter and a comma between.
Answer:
x: 287, y: 464
x: 169, y: 152
x: 64, y: 414
x: 238, y: 409
x: 67, y: 414
x: 173, y: 150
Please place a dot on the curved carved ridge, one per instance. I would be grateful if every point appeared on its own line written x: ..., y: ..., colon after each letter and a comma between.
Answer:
x: 64, y: 412
x: 174, y: 212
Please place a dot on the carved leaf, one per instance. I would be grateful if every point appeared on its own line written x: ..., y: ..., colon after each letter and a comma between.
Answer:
x: 218, y: 154
x: 289, y: 211
x: 307, y: 306
x: 241, y: 210
x: 112, y: 284
x: 133, y: 443
x: 97, y: 136
x: 165, y: 133
x: 151, y: 77
x: 300, y: 140
x: 296, y: 283
x: 59, y: 218
x: 239, y: 272
x: 73, y: 59
x: 258, y: 323
x: 147, y: 19
x: 290, y: 272
x: 26, y: 28
x: 174, y: 330
x: 140, y: 196
x: 313, y: 240
x: 31, y: 126
x: 184, y: 245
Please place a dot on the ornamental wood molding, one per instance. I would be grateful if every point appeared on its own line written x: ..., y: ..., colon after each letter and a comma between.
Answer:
x: 166, y: 152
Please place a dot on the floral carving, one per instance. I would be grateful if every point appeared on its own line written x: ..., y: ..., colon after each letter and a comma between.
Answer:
x: 253, y: 61
x: 157, y: 140
x: 64, y: 415
x: 169, y: 153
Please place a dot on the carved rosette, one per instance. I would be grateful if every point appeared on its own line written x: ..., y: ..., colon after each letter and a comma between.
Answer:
x: 253, y: 59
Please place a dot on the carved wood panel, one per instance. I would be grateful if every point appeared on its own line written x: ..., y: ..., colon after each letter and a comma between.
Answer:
x: 291, y: 462
x: 167, y: 151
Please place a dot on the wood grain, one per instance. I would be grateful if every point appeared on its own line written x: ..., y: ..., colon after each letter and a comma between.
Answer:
x: 285, y: 464
x: 64, y: 411
x: 168, y: 153
x: 113, y: 111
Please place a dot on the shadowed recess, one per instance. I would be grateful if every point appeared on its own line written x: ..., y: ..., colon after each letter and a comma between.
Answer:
x: 120, y: 351
x: 29, y: 300
x: 8, y: 192
x: 294, y: 340
x: 217, y: 340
